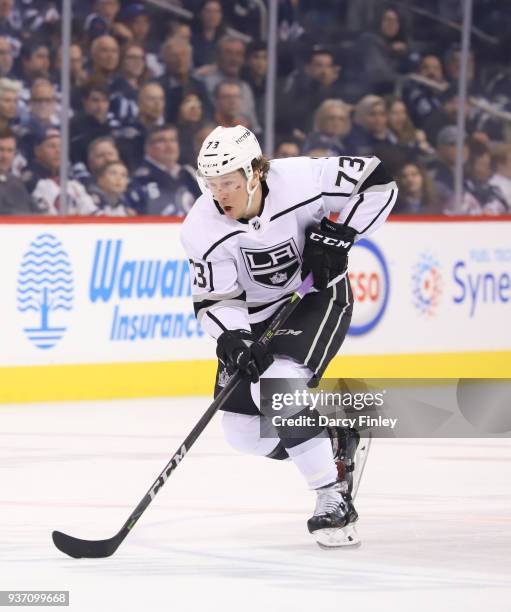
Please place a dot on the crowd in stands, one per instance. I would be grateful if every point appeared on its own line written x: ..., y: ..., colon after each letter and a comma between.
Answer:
x: 354, y: 77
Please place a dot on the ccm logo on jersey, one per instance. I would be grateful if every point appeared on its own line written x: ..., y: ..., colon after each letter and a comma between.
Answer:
x: 274, y: 266
x: 337, y: 242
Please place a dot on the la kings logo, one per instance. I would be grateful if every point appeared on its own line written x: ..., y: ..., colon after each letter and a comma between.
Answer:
x: 274, y: 266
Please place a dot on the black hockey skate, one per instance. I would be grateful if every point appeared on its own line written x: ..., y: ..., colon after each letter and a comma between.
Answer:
x: 332, y: 524
x: 344, y: 446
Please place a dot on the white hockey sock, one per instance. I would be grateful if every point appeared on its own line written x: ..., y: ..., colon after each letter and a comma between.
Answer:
x: 242, y: 432
x: 314, y: 459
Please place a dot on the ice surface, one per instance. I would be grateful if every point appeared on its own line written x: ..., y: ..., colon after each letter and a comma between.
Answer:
x: 227, y: 532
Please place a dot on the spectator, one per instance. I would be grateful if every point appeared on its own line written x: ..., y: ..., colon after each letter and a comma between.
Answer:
x: 43, y: 114
x: 180, y: 29
x: 287, y: 148
x: 168, y: 188
x: 477, y: 181
x: 254, y: 73
x: 151, y: 113
x: 104, y: 55
x: 208, y: 30
x: 417, y: 194
x: 177, y: 80
x: 9, y: 94
x: 422, y: 99
x: 110, y: 190
x: 305, y: 89
x: 41, y: 179
x: 230, y: 60
x: 502, y: 176
x: 384, y: 53
x: 132, y: 74
x: 370, y: 128
x: 446, y: 115
x: 190, y: 119
x: 228, y: 107
x: 331, y: 125
x: 10, y: 26
x: 6, y: 57
x: 102, y: 21
x: 136, y: 19
x: 14, y: 198
x: 94, y: 121
x: 442, y: 168
x: 99, y: 152
x: 403, y: 129
x: 35, y: 64
x: 78, y: 74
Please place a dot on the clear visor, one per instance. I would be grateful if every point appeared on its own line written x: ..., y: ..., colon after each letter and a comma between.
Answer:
x: 226, y: 184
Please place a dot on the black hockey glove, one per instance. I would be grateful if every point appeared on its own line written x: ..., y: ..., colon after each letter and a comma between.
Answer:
x: 238, y: 349
x: 326, y: 251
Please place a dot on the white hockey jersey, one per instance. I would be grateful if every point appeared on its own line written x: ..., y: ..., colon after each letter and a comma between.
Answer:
x: 243, y: 270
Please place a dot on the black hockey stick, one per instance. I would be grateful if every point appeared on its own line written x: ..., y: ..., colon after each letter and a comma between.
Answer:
x: 93, y: 549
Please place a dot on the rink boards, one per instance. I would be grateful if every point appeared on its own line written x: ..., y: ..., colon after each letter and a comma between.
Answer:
x: 102, y: 308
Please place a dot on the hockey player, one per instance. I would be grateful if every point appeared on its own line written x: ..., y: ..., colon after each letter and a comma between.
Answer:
x: 257, y: 228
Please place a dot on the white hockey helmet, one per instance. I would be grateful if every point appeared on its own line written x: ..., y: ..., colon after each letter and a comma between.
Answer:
x: 225, y: 150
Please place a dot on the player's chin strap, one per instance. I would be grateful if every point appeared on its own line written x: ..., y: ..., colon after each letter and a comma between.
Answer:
x: 251, y: 193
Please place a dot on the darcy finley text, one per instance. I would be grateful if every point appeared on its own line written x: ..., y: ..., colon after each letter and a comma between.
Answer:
x: 323, y: 420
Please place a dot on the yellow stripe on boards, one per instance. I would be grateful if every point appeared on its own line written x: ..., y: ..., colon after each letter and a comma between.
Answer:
x: 153, y: 379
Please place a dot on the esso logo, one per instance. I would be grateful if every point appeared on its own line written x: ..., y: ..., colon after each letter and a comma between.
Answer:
x: 369, y: 278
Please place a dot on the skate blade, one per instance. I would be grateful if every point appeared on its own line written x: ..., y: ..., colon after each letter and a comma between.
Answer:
x: 337, y: 538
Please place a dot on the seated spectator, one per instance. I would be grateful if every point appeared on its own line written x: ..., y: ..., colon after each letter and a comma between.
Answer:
x: 42, y: 179
x: 104, y: 56
x: 9, y: 95
x: 403, y: 129
x: 124, y: 88
x: 177, y: 80
x: 502, y: 176
x: 370, y: 129
x: 167, y: 187
x: 228, y: 105
x: 102, y: 21
x: 93, y: 122
x: 109, y: 192
x: 208, y: 30
x: 384, y: 53
x: 35, y: 64
x: 417, y: 194
x: 6, y: 57
x: 10, y: 24
x: 78, y: 74
x: 190, y: 119
x: 477, y: 181
x: 305, y: 89
x: 331, y: 125
x: 14, y: 197
x: 420, y: 98
x: 287, y: 148
x: 135, y: 16
x: 100, y: 151
x: 230, y: 59
x: 179, y: 28
x: 442, y: 168
x: 151, y: 113
x: 254, y: 73
x: 447, y: 115
x: 43, y: 114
